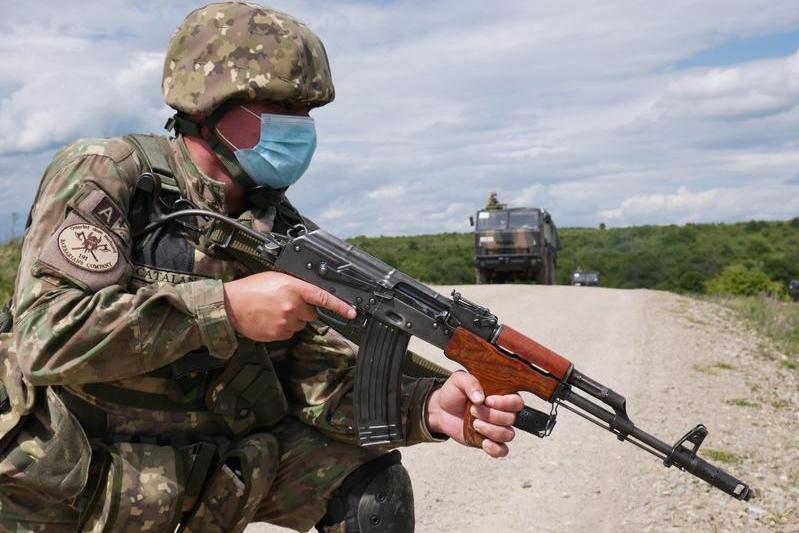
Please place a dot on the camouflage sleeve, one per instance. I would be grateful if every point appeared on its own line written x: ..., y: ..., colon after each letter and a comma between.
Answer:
x: 318, y: 375
x: 74, y: 320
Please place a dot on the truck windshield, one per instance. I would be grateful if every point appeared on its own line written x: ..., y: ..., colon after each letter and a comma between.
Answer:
x: 524, y: 219
x: 492, y: 220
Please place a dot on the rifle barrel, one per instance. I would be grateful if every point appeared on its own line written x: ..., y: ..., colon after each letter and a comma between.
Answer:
x: 684, y: 458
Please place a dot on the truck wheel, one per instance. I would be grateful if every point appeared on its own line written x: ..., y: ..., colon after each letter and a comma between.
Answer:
x: 483, y: 276
x: 545, y: 274
x: 550, y: 269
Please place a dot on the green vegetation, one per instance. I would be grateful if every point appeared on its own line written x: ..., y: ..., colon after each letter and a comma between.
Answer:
x: 723, y: 457
x: 442, y: 259
x: 711, y: 369
x: 777, y: 320
x: 742, y: 402
x: 675, y: 258
x: 737, y: 280
x: 745, y: 258
x: 9, y: 259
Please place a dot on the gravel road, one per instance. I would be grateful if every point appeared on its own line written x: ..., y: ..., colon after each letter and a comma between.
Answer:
x: 679, y: 362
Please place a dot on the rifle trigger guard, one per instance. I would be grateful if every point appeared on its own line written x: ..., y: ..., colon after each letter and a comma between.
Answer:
x: 695, y: 437
x: 332, y: 318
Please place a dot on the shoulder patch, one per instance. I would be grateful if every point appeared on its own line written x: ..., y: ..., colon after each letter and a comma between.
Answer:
x: 85, y: 251
x: 106, y: 211
x: 88, y: 247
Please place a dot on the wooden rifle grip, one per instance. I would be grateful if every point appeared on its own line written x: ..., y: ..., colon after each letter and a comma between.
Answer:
x: 470, y: 435
x: 497, y: 373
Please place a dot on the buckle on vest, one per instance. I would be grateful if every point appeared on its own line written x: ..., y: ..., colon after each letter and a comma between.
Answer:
x: 214, y: 243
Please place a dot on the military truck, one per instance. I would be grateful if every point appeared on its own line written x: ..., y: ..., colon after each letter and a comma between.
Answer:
x: 585, y: 278
x: 514, y: 243
x: 793, y: 289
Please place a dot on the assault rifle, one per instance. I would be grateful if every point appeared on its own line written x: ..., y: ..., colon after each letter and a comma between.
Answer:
x: 392, y: 307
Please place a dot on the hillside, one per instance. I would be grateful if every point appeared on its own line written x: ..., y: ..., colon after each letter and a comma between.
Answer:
x: 676, y: 258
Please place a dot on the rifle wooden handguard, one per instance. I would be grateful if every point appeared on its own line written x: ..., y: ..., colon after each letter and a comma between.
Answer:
x: 497, y: 372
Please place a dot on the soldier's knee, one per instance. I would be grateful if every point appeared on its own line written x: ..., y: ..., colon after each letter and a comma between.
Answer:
x: 375, y: 498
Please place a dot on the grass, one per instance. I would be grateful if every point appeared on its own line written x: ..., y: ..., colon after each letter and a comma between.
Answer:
x: 711, y: 368
x: 742, y: 402
x: 776, y: 320
x: 722, y: 456
x: 9, y: 259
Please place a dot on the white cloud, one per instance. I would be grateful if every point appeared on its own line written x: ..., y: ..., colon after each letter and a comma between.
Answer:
x: 577, y: 108
x: 387, y: 192
x: 712, y: 205
x: 751, y: 90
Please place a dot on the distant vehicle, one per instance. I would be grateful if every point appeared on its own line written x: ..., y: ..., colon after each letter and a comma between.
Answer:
x: 585, y: 278
x: 514, y: 243
x: 793, y: 289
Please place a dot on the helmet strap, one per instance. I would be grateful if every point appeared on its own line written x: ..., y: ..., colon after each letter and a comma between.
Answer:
x: 257, y: 195
x: 182, y: 124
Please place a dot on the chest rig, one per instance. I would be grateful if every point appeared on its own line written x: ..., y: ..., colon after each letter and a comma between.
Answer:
x: 201, y: 392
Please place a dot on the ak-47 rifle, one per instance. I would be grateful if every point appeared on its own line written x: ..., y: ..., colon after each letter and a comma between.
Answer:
x: 392, y: 307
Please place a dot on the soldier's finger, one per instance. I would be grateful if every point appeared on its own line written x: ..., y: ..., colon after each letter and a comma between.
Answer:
x: 494, y: 416
x: 509, y: 402
x: 307, y: 313
x: 297, y: 325
x: 315, y: 296
x: 494, y: 432
x: 494, y: 449
x: 469, y: 385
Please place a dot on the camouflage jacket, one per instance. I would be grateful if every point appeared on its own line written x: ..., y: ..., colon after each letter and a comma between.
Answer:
x: 104, y: 318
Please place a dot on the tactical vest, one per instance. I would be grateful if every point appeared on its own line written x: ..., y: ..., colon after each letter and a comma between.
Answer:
x: 198, y: 394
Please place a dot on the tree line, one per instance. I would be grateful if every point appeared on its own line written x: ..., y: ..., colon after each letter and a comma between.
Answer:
x: 684, y: 258
x: 743, y: 258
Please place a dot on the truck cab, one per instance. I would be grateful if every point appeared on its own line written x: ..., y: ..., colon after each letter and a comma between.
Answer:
x: 515, y: 243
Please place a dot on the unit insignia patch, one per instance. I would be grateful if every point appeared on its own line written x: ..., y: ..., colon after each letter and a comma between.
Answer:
x: 88, y: 247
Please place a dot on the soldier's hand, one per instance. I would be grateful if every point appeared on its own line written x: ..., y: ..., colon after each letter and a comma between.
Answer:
x: 495, y: 415
x: 270, y: 306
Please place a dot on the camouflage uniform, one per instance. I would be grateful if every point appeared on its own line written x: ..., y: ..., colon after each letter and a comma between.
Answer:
x: 125, y: 376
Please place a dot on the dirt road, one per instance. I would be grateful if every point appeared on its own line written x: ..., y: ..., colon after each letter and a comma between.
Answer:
x: 679, y: 362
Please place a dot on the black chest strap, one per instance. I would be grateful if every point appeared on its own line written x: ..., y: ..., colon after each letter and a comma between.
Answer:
x: 153, y: 150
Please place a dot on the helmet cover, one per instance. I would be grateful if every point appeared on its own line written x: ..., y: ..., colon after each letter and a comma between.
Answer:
x: 236, y: 51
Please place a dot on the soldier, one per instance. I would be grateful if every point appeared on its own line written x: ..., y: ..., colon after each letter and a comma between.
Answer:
x: 493, y: 202
x: 153, y: 380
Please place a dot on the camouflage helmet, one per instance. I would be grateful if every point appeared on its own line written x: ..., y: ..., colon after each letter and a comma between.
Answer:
x: 245, y: 52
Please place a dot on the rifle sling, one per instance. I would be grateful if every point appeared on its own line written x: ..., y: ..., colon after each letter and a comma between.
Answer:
x: 244, y: 248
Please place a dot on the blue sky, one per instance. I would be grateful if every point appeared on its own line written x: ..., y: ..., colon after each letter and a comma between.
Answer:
x: 769, y: 45
x: 623, y: 112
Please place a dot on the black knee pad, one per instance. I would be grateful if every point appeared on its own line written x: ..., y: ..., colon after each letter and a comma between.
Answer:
x: 375, y: 498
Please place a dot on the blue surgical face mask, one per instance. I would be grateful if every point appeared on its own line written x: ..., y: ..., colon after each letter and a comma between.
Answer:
x: 282, y: 154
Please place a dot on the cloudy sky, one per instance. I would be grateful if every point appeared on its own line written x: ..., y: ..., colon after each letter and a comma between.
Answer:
x: 623, y: 112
